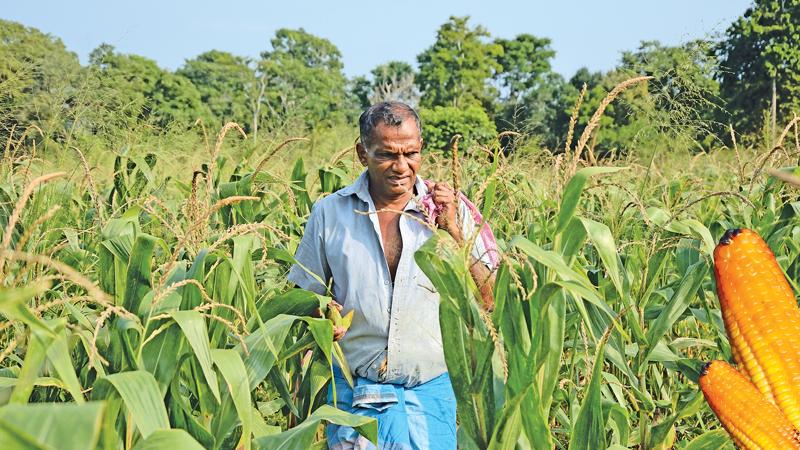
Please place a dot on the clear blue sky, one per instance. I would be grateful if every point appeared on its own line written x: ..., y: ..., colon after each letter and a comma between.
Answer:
x: 583, y: 32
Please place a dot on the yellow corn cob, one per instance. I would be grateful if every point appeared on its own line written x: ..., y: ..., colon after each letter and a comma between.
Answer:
x: 752, y: 421
x: 761, y: 317
x: 335, y: 316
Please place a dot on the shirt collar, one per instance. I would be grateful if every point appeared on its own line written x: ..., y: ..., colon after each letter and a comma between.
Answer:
x: 360, y: 188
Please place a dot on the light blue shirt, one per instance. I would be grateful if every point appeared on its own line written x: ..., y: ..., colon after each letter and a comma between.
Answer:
x: 393, y: 322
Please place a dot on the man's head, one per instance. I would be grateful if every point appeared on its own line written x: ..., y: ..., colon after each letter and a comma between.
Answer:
x: 390, y: 148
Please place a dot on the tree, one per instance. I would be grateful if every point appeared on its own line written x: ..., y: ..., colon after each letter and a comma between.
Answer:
x: 139, y: 89
x: 524, y: 62
x: 441, y: 123
x: 227, y: 86
x: 567, y: 95
x: 393, y: 81
x: 176, y: 100
x: 760, y: 59
x: 38, y: 79
x: 527, y: 83
x: 455, y: 71
x: 683, y: 97
x: 304, y: 78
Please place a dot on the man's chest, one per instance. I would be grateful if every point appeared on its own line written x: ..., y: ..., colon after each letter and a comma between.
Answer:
x: 391, y: 239
x: 368, y: 251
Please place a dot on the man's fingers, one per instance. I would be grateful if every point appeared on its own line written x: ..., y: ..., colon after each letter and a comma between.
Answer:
x: 444, y: 196
x: 338, y: 333
x: 336, y: 305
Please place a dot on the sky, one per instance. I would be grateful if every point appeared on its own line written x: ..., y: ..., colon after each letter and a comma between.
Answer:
x: 584, y: 33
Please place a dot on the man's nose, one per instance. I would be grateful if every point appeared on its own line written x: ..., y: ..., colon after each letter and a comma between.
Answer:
x: 400, y: 164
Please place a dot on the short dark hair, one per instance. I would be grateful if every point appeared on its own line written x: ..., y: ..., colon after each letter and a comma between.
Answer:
x: 390, y: 113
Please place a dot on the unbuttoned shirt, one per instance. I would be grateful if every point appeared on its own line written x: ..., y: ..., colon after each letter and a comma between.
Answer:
x: 394, y: 323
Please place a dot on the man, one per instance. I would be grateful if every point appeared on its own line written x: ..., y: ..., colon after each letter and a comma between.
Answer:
x: 360, y: 244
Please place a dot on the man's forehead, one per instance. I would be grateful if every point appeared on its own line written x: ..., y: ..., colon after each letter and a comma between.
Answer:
x: 398, y: 145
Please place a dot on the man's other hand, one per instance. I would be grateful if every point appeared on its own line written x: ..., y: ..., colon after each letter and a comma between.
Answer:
x: 444, y: 197
x: 338, y: 330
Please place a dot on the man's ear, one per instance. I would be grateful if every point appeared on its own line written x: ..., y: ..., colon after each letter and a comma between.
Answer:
x: 362, y: 153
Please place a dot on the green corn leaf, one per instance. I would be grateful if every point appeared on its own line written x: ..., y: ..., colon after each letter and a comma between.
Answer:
x: 280, y: 384
x: 711, y: 440
x: 572, y: 193
x: 142, y: 398
x: 193, y: 325
x: 8, y: 382
x: 161, y: 354
x: 262, y: 348
x: 295, y: 302
x: 619, y: 420
x: 13, y: 305
x: 59, y: 356
x: 509, y: 425
x: 603, y: 241
x: 535, y: 421
x: 681, y: 299
x: 137, y: 279
x: 588, y: 431
x: 260, y: 427
x: 234, y: 373
x: 696, y: 228
x: 168, y: 439
x: 302, y: 436
x: 552, y: 327
x: 40, y: 341
x: 51, y: 425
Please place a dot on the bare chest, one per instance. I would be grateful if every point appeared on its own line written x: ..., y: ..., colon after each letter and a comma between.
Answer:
x: 392, y: 239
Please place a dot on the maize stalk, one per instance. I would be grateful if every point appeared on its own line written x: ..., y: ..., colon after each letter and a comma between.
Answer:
x: 761, y: 318
x: 752, y: 421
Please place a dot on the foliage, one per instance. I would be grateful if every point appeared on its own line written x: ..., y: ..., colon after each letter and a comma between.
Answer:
x: 136, y: 85
x: 455, y: 70
x: 760, y: 48
x: 144, y: 299
x: 227, y: 85
x: 38, y: 79
x: 393, y: 81
x: 524, y: 62
x: 304, y: 76
x: 442, y: 123
x: 173, y: 313
x: 681, y: 101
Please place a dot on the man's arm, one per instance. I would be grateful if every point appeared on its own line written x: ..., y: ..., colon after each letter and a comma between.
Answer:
x: 484, y: 278
x: 311, y: 259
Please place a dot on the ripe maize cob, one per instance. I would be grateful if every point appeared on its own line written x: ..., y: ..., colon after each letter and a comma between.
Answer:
x: 752, y: 421
x: 761, y: 317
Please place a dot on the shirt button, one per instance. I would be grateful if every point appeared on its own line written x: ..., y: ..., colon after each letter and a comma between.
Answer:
x: 386, y: 282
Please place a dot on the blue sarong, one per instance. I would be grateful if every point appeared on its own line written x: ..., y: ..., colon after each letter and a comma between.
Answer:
x: 418, y: 418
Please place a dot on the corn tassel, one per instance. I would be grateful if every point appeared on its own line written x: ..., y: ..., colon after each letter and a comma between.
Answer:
x: 761, y: 318
x: 752, y: 421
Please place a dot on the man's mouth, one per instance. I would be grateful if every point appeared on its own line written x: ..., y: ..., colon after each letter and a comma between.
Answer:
x: 398, y: 180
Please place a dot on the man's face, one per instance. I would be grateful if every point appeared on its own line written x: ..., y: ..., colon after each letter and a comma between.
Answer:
x: 393, y: 157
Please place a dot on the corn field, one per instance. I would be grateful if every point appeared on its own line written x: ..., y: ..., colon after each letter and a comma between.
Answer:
x: 149, y: 308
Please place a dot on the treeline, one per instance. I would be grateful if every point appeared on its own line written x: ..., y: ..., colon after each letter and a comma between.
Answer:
x: 467, y: 82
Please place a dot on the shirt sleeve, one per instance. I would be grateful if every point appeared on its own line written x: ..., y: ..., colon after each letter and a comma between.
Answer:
x: 311, y: 260
x: 470, y: 230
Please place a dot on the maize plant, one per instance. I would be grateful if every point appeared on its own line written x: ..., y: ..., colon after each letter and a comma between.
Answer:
x: 162, y: 328
x: 148, y: 307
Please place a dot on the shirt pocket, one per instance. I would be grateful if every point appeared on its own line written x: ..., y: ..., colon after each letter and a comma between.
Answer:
x: 378, y: 397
